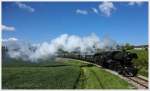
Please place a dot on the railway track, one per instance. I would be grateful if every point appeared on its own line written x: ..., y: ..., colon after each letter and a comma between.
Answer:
x: 139, y: 82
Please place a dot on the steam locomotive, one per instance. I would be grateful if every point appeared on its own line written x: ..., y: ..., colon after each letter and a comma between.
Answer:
x: 119, y: 61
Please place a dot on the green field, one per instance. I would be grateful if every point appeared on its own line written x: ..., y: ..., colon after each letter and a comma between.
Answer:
x: 62, y: 74
x: 40, y: 77
x: 142, y: 61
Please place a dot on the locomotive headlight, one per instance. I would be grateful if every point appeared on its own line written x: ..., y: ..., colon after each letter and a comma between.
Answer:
x: 135, y: 66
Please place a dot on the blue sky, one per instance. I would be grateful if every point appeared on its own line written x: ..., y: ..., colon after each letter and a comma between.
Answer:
x: 37, y: 22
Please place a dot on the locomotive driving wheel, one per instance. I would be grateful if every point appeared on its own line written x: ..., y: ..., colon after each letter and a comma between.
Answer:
x: 129, y: 72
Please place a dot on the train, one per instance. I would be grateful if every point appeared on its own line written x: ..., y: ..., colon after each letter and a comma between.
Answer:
x: 116, y: 60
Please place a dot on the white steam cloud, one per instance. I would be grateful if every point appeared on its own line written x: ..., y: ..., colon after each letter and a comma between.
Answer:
x: 70, y: 43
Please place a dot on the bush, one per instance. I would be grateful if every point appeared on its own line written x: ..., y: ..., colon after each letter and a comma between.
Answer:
x: 142, y: 61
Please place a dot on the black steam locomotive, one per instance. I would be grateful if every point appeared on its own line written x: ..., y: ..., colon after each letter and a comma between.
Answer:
x: 119, y: 61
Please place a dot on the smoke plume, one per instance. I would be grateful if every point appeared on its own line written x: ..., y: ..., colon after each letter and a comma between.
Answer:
x: 83, y: 45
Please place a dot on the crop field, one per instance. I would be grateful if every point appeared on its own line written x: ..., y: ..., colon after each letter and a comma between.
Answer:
x: 62, y: 74
x: 40, y: 77
x: 142, y: 61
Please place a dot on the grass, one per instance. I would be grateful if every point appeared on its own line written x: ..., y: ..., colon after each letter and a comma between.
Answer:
x: 92, y: 77
x: 142, y: 61
x: 42, y: 63
x: 107, y: 80
x: 40, y: 77
x: 64, y: 74
x: 95, y: 78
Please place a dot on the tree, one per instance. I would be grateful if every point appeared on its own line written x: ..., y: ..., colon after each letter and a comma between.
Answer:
x: 4, y: 51
x: 98, y: 50
x: 118, y: 47
x: 128, y: 46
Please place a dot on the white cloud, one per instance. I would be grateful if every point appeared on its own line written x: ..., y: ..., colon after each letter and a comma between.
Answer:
x: 135, y: 3
x: 95, y: 10
x: 24, y: 6
x: 8, y: 28
x: 10, y: 39
x: 79, y: 11
x: 106, y: 8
